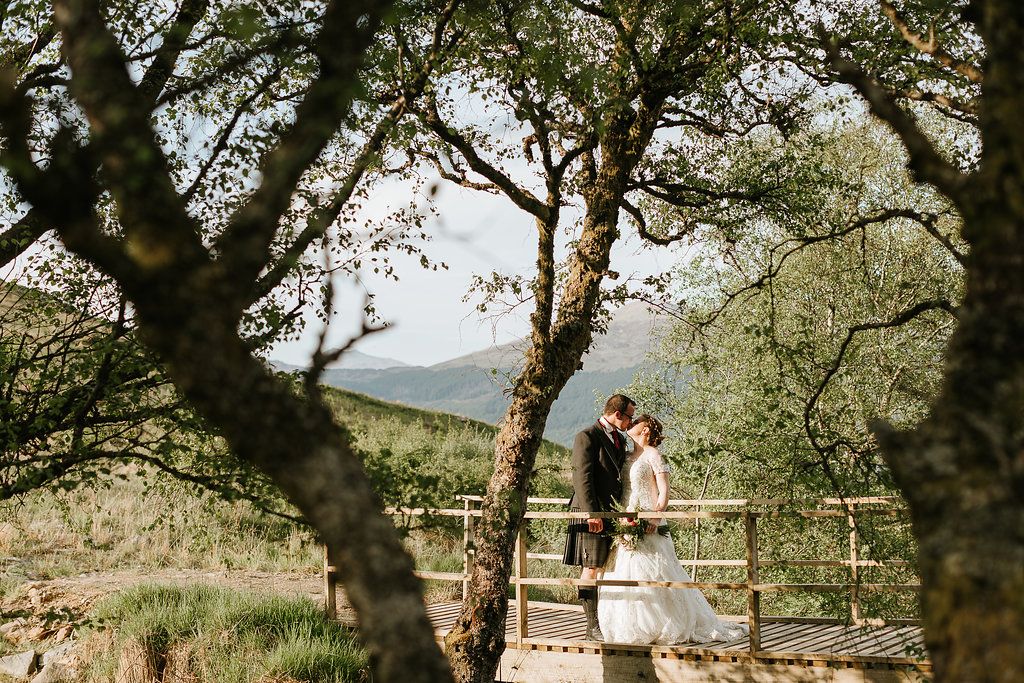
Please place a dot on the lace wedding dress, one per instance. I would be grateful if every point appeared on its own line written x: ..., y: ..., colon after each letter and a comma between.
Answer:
x: 641, y: 615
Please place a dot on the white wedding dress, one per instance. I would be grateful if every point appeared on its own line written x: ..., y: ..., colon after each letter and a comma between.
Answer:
x: 663, y: 616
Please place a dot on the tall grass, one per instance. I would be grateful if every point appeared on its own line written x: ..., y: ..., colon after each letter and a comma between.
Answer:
x: 139, y: 520
x: 226, y: 636
x: 133, y: 524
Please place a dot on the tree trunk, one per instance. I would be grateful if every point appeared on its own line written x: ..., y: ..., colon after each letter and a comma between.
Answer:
x: 962, y: 472
x: 295, y: 441
x: 477, y: 640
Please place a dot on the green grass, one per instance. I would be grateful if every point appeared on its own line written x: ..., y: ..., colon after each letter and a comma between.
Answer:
x: 362, y: 407
x: 414, y: 457
x: 229, y: 636
x: 130, y: 526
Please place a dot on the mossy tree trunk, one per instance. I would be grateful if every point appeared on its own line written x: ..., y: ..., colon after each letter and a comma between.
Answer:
x: 477, y: 639
x: 592, y: 118
x: 962, y: 469
x: 189, y: 296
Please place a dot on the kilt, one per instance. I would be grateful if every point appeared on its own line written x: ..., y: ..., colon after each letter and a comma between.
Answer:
x: 582, y: 548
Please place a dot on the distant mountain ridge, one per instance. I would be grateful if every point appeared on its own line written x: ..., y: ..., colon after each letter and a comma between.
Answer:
x: 632, y: 328
x: 351, y: 360
x: 473, y: 385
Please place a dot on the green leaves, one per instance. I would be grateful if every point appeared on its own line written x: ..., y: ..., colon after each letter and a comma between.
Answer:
x: 772, y: 293
x: 243, y: 23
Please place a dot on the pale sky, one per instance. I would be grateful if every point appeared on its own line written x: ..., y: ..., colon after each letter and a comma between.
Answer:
x: 476, y: 234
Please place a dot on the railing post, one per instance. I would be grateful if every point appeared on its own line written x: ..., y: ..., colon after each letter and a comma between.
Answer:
x: 854, y: 568
x: 468, y: 541
x: 522, y: 606
x: 753, y: 578
x: 330, y: 584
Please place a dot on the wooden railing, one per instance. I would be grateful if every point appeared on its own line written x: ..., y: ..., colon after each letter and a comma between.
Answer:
x: 747, y: 510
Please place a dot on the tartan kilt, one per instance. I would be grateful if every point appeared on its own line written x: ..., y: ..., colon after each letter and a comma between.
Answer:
x: 582, y: 548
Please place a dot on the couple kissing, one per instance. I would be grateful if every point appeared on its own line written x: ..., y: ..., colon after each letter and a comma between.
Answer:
x: 616, y: 464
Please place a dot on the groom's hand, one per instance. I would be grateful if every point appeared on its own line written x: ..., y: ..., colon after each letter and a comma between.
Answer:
x: 596, y: 526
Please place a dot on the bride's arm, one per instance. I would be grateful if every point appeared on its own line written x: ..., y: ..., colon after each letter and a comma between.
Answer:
x: 663, y: 489
x: 661, y: 472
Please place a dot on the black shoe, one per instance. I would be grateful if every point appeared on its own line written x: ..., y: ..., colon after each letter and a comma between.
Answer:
x: 593, y: 627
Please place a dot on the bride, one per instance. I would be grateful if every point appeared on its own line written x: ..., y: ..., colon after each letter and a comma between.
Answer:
x: 642, y: 615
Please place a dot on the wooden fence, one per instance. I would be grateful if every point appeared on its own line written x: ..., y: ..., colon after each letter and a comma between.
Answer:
x: 747, y: 510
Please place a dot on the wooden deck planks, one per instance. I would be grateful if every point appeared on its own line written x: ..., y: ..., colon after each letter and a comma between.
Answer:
x: 563, y: 626
x: 913, y: 640
x: 781, y: 634
x: 885, y: 643
x: 809, y: 638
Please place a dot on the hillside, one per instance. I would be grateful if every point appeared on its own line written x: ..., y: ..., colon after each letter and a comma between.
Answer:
x: 417, y: 457
x: 354, y: 408
x: 473, y: 385
x: 477, y: 393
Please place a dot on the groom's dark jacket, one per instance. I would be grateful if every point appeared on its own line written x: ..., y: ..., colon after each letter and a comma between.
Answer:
x: 596, y: 471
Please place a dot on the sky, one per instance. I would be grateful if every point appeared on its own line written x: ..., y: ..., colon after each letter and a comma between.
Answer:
x: 428, y: 321
x: 475, y: 233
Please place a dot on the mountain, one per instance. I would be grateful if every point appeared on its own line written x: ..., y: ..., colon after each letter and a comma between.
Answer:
x: 473, y: 385
x: 630, y: 335
x: 350, y: 360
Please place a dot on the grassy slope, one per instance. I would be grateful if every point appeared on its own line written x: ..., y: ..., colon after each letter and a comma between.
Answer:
x: 135, y: 520
x: 361, y: 407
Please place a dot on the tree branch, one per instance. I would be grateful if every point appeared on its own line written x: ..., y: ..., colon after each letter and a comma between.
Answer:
x: 802, y: 242
x: 17, y: 238
x: 237, y: 59
x: 159, y: 232
x: 208, y: 483
x: 318, y: 224
x: 521, y: 198
x: 18, y: 57
x: 229, y: 129
x: 928, y: 165
x: 669, y: 192
x: 33, y: 225
x: 930, y: 46
x: 900, y: 319
x: 174, y: 41
x: 69, y: 176
x: 964, y: 111
x: 245, y: 245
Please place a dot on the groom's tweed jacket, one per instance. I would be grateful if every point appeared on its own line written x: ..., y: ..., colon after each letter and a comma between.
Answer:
x: 596, y: 471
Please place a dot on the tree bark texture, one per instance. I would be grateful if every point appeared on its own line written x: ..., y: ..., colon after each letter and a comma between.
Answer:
x: 187, y: 306
x: 962, y: 473
x: 962, y: 469
x: 477, y: 639
x: 296, y: 442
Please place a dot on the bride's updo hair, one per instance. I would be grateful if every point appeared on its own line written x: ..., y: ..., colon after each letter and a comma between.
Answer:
x: 654, y: 425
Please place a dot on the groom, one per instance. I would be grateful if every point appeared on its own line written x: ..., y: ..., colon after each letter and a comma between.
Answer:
x: 598, y: 454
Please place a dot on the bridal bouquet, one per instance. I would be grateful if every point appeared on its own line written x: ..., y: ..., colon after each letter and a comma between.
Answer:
x: 630, y: 531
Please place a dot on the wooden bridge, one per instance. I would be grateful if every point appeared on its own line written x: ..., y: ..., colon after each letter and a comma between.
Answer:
x: 545, y: 639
